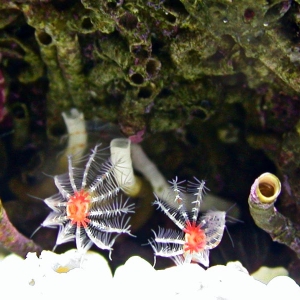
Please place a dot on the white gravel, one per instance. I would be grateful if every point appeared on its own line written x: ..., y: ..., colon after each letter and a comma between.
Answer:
x: 68, y: 276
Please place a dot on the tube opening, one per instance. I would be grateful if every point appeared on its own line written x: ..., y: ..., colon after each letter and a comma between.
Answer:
x: 268, y: 188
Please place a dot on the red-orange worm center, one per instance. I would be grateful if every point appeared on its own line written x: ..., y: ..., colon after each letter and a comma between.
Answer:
x: 78, y: 208
x: 195, y: 239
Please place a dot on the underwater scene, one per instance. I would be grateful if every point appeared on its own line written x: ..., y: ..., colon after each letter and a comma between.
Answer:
x: 167, y: 130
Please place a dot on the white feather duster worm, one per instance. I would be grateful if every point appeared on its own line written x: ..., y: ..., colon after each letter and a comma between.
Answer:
x: 198, y: 235
x: 89, y: 207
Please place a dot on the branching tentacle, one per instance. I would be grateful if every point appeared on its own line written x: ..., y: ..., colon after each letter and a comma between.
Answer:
x: 170, y: 212
x: 197, y: 189
x: 88, y: 167
x: 111, y: 209
x: 168, y: 236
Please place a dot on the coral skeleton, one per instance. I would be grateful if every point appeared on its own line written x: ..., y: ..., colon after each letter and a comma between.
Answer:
x: 89, y: 206
x: 198, y: 234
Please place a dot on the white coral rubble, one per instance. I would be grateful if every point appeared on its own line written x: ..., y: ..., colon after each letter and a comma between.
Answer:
x: 54, y: 276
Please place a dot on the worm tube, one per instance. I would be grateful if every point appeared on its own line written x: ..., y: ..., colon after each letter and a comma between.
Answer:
x: 264, y: 192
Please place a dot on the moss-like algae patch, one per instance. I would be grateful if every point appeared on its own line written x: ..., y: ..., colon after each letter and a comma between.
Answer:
x: 98, y: 55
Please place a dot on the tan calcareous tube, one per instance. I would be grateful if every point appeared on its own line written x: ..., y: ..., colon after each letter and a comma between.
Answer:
x: 263, y: 194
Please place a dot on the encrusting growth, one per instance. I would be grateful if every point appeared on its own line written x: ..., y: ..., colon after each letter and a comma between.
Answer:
x: 198, y: 234
x: 89, y: 207
x: 12, y: 240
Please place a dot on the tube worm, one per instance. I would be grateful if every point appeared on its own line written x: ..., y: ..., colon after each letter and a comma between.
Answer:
x: 130, y: 157
x: 263, y: 195
x: 55, y: 163
x: 77, y: 133
x: 12, y: 239
x: 121, y: 156
x: 162, y: 188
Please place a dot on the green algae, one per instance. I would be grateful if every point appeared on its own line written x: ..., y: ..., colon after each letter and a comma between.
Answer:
x: 84, y: 47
